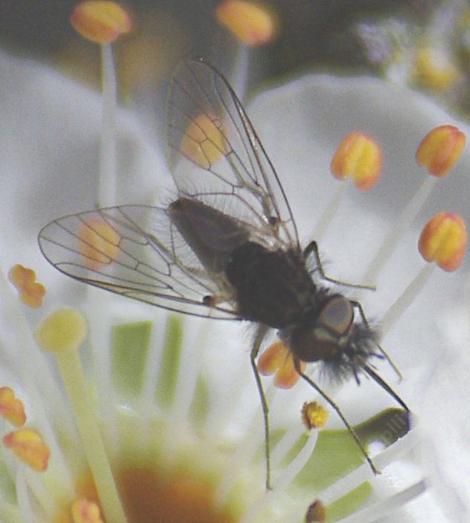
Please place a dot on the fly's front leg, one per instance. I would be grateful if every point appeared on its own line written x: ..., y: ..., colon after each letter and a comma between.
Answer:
x: 312, y: 248
x: 363, y: 317
x: 340, y: 414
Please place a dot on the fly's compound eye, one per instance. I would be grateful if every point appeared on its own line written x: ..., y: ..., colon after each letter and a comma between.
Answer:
x: 336, y: 316
x: 322, y: 341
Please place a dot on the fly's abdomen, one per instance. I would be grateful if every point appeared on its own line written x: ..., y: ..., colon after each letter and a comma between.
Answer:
x: 272, y: 287
x: 211, y: 234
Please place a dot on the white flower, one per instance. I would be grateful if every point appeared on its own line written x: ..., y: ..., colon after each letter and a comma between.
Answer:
x: 219, y: 441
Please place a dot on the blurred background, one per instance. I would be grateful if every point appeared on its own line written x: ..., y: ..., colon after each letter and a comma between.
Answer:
x: 421, y: 43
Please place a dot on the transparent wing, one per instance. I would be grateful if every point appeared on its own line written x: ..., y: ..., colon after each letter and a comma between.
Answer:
x: 217, y: 157
x: 134, y: 251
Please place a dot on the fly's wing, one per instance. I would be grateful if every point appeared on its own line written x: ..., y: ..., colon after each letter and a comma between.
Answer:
x: 134, y: 251
x: 217, y: 157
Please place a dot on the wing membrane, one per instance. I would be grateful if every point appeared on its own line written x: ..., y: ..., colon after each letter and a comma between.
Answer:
x: 217, y: 156
x: 134, y: 251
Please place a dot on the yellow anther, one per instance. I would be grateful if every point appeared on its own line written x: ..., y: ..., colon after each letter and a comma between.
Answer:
x: 24, y: 279
x: 100, y: 21
x: 63, y: 330
x: 358, y: 157
x: 85, y: 511
x: 204, y: 141
x: 252, y: 23
x: 440, y: 149
x: 314, y: 415
x: 277, y: 359
x: 29, y: 447
x: 433, y: 70
x: 444, y: 241
x: 98, y: 243
x: 11, y: 408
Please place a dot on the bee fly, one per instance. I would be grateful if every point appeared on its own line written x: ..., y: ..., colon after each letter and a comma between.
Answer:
x: 244, y: 260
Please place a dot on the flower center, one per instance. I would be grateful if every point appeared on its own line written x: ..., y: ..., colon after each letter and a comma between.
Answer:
x: 148, y: 497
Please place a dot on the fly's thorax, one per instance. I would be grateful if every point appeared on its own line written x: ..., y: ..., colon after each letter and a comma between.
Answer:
x: 326, y: 332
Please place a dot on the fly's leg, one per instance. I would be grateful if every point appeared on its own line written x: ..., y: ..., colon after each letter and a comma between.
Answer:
x: 340, y: 414
x: 312, y: 248
x: 260, y: 334
x: 362, y: 315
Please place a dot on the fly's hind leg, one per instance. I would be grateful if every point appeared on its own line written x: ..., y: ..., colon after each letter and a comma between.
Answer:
x: 260, y: 334
x: 312, y: 248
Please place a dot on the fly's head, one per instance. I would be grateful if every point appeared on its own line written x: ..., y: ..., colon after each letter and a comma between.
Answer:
x: 331, y: 336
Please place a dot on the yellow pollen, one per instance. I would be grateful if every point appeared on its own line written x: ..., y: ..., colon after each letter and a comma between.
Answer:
x: 29, y: 447
x: 24, y: 279
x: 63, y: 330
x: 11, y: 408
x: 85, y: 511
x: 444, y: 241
x: 100, y: 21
x: 277, y: 359
x: 314, y: 415
x: 440, y: 149
x: 359, y: 157
x: 98, y: 243
x: 251, y: 23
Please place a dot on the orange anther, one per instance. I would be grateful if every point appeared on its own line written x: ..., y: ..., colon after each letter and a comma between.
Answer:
x: 100, y: 21
x: 277, y: 359
x: 98, y: 243
x: 444, y: 240
x: 204, y: 141
x: 314, y: 415
x: 29, y: 446
x: 358, y: 157
x: 316, y: 513
x: 85, y: 511
x: 252, y: 23
x: 440, y: 149
x: 24, y: 279
x: 11, y: 408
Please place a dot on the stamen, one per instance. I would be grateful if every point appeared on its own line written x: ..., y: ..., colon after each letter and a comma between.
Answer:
x: 381, y: 509
x: 316, y: 513
x: 358, y: 157
x: 314, y: 415
x: 85, y: 511
x: 433, y: 70
x: 100, y: 21
x: 62, y: 333
x: 277, y: 359
x: 444, y: 241
x: 103, y: 22
x: 438, y: 151
x: 24, y: 279
x: 11, y: 408
x: 253, y: 24
x: 29, y: 446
